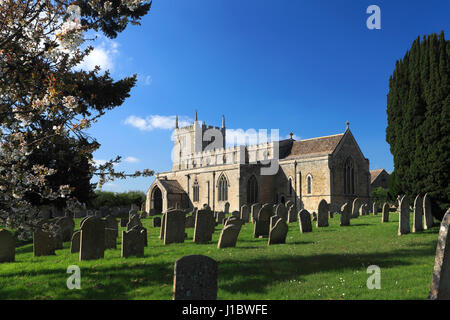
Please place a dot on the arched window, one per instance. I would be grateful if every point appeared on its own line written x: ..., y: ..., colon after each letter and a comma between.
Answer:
x: 309, y: 183
x: 223, y: 188
x: 252, y: 190
x: 290, y: 186
x: 349, y: 177
x: 196, y: 191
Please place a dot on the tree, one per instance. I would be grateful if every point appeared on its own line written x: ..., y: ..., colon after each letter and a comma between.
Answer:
x: 44, y: 99
x: 418, y: 131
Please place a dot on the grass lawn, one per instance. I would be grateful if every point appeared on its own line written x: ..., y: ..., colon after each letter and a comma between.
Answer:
x: 329, y: 263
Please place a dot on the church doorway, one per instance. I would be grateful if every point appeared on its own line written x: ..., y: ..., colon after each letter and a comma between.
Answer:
x: 157, y: 200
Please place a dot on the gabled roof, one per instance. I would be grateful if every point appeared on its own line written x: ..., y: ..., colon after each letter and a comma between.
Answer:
x: 171, y: 186
x: 316, y: 146
x: 375, y: 173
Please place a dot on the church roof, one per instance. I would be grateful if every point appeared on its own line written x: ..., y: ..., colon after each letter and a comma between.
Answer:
x: 172, y: 186
x: 315, y: 146
x: 374, y: 174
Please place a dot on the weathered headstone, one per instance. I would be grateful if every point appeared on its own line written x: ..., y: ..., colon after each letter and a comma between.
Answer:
x: 66, y: 226
x: 174, y: 227
x: 273, y: 221
x: 278, y: 233
x: 385, y: 213
x: 254, y: 210
x: 156, y: 222
x: 304, y: 221
x: 132, y: 243
x: 92, y: 242
x: 355, y: 208
x: 7, y: 246
x: 163, y: 222
x: 245, y: 214
x: 440, y: 285
x: 322, y: 216
x: 111, y: 223
x: 345, y: 214
x: 281, y: 211
x: 233, y: 220
x: 75, y: 242
x: 403, y: 222
x: 195, y: 278
x: 110, y: 238
x: 202, y: 230
x: 228, y: 236
x: 134, y: 222
x: 43, y: 243
x: 375, y: 209
x: 289, y: 204
x: 226, y: 208
x: 428, y: 217
x: 262, y: 224
x: 292, y: 214
x: 418, y: 214
x: 220, y: 216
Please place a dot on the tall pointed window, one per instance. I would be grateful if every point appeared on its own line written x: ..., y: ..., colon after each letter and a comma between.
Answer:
x: 290, y: 186
x: 252, y: 190
x: 349, y: 177
x: 223, y: 188
x: 308, y: 182
x: 196, y: 191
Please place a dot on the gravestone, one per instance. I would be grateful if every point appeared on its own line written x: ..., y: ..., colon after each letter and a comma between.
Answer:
x: 111, y: 223
x: 375, y: 209
x: 156, y: 222
x: 355, y: 208
x: 220, y: 216
x: 440, y: 285
x: 163, y: 222
x: 314, y: 216
x: 364, y: 210
x: 190, y: 221
x: 245, y: 214
x: 236, y: 214
x: 254, y: 210
x: 203, y: 229
x: 403, y: 222
x: 278, y: 233
x: 43, y: 243
x: 322, y: 216
x: 195, y: 278
x: 418, y: 214
x: 80, y: 213
x: 226, y: 208
x: 233, y: 220
x: 385, y: 213
x: 281, y: 211
x: 174, y: 227
x: 428, y: 217
x: 132, y: 243
x: 292, y: 214
x: 134, y: 222
x: 123, y: 222
x: 273, y: 221
x: 345, y: 215
x: 304, y: 221
x: 110, y: 238
x: 7, y: 246
x: 66, y: 226
x: 75, y: 242
x: 143, y: 215
x: 143, y: 232
x: 262, y: 224
x: 228, y: 236
x: 289, y: 204
x: 92, y: 239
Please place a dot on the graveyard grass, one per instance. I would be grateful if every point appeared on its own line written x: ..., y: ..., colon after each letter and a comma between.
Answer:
x: 329, y: 263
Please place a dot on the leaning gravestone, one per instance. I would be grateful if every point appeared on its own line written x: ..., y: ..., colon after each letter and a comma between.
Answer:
x: 281, y: 211
x: 132, y: 243
x: 418, y: 214
x: 440, y: 285
x: 254, y: 211
x: 278, y: 233
x: 345, y: 214
x: 7, y: 246
x: 245, y: 214
x: 385, y: 213
x: 428, y: 217
x: 233, y: 220
x: 195, y: 278
x: 202, y: 229
x: 292, y: 214
x: 355, y: 207
x: 262, y: 224
x: 304, y: 221
x: 75, y: 242
x: 322, y: 217
x: 43, y: 243
x: 174, y: 227
x: 289, y: 204
x: 228, y: 236
x: 375, y: 208
x: 92, y: 242
x: 403, y: 222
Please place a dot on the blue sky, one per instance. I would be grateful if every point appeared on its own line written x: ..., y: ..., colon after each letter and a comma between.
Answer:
x: 300, y: 66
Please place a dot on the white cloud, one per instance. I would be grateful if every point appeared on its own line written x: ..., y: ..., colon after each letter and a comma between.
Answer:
x: 131, y: 160
x: 102, y: 55
x: 157, y: 122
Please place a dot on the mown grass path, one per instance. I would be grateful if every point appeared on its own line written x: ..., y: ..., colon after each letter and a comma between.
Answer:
x: 329, y: 263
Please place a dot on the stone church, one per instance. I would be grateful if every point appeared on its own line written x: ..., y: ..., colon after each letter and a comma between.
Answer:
x: 205, y: 172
